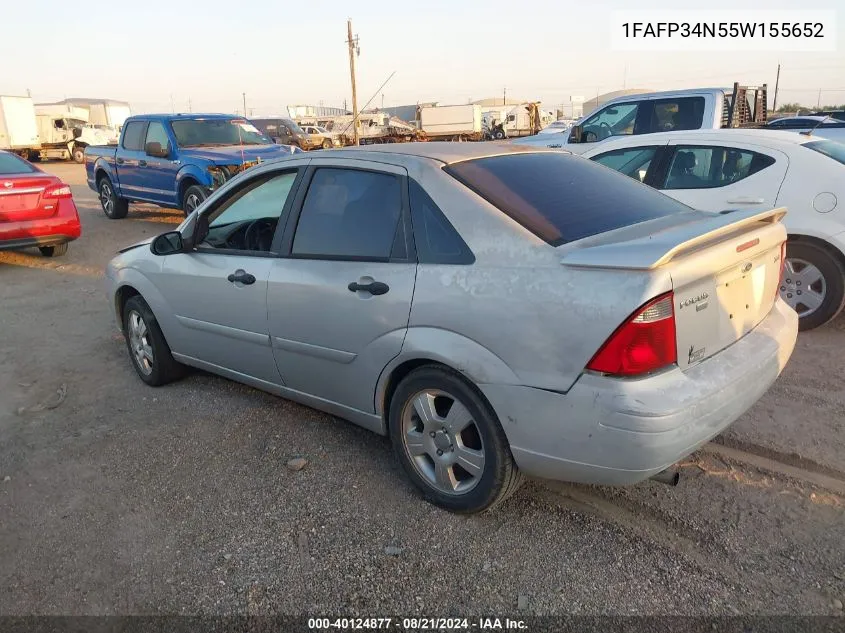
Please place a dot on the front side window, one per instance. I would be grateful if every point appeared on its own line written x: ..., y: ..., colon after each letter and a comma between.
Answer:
x: 349, y: 214
x: 633, y: 161
x: 157, y: 134
x: 133, y: 136
x: 616, y: 120
x: 560, y: 197
x: 709, y: 167
x: 247, y: 220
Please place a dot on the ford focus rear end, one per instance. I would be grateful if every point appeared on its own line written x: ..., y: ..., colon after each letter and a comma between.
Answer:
x: 655, y: 329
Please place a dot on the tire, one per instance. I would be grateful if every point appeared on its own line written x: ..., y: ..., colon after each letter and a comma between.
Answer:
x: 194, y: 197
x: 498, y: 135
x: 436, y: 390
x: 813, y: 271
x: 115, y: 208
x: 56, y: 250
x: 143, y: 335
x: 327, y: 144
x: 78, y: 154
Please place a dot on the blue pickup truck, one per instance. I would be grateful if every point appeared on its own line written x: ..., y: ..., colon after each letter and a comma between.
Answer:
x: 175, y: 160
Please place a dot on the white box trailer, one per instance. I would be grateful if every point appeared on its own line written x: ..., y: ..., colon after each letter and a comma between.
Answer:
x: 454, y: 122
x: 18, y: 126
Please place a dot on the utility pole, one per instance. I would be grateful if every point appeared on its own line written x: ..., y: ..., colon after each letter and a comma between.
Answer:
x: 189, y: 105
x: 353, y: 50
x: 819, y: 102
x: 504, y: 96
x: 243, y: 94
x: 775, y: 101
x: 382, y: 101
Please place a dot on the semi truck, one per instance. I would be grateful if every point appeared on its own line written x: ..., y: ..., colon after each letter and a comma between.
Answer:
x: 105, y: 114
x: 18, y: 126
x: 65, y: 132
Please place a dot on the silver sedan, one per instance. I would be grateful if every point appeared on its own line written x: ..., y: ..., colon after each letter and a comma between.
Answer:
x: 497, y: 311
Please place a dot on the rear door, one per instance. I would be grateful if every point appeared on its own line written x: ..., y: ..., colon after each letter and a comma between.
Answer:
x: 340, y: 300
x: 711, y: 176
x: 128, y: 158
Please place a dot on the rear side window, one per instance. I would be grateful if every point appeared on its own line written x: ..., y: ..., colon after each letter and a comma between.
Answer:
x: 709, y: 167
x: 133, y: 135
x: 562, y: 198
x: 11, y: 164
x: 833, y: 150
x: 436, y: 239
x: 670, y: 115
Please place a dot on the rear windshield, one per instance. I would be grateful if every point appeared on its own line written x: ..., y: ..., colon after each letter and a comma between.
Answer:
x: 11, y: 164
x: 562, y: 198
x: 834, y: 150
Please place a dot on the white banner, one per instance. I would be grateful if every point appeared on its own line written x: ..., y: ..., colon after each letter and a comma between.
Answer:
x: 723, y: 30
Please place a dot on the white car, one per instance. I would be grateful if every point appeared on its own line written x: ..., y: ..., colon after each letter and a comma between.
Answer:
x: 721, y: 170
x: 329, y: 140
x: 557, y: 127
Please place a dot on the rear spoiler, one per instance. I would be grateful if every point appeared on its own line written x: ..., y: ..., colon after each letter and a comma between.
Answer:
x: 659, y: 248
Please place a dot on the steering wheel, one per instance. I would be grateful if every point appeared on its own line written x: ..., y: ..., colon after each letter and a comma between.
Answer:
x: 603, y: 125
x: 259, y: 235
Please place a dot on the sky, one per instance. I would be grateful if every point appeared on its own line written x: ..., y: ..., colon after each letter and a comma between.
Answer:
x: 180, y: 55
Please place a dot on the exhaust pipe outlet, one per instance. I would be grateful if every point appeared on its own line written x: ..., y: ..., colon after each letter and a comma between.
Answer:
x: 670, y: 477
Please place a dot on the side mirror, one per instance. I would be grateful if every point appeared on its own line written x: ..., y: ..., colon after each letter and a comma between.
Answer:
x: 155, y: 149
x: 77, y: 132
x: 577, y: 134
x: 167, y: 244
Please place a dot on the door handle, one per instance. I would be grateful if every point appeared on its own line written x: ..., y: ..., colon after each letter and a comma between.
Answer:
x: 374, y: 287
x: 241, y: 276
x: 746, y: 200
x: 142, y: 163
x: 119, y: 161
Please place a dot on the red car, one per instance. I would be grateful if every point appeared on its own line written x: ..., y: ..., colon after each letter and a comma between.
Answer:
x: 36, y: 209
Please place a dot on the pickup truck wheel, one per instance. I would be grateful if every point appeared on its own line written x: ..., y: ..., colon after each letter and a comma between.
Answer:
x: 78, y: 154
x: 115, y: 208
x: 194, y: 196
x: 813, y: 283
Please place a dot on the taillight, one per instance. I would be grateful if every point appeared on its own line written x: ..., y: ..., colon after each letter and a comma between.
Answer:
x: 643, y: 344
x: 782, y: 269
x: 60, y: 190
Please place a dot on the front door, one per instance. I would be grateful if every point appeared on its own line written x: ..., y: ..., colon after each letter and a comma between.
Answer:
x: 711, y: 177
x: 158, y: 175
x: 339, y: 303
x: 218, y: 292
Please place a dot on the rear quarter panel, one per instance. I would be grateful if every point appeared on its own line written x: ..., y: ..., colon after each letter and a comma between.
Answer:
x: 101, y: 158
x: 537, y: 322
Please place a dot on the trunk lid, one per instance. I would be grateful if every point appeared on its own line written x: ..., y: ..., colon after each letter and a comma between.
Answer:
x: 22, y: 197
x: 725, y: 272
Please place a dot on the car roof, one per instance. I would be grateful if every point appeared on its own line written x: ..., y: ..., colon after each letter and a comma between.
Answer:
x: 442, y: 151
x: 768, y: 137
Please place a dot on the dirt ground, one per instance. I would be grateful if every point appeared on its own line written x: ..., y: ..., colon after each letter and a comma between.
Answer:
x: 116, y: 498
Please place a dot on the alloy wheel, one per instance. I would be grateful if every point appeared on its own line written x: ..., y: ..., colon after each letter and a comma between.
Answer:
x: 803, y: 286
x: 106, y: 198
x: 191, y: 203
x: 443, y: 442
x: 139, y: 343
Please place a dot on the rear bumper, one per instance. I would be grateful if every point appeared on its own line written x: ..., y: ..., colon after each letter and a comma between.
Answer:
x: 611, y: 431
x: 63, y: 227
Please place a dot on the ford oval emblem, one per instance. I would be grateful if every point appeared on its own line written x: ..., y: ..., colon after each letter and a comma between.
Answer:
x: 746, y: 267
